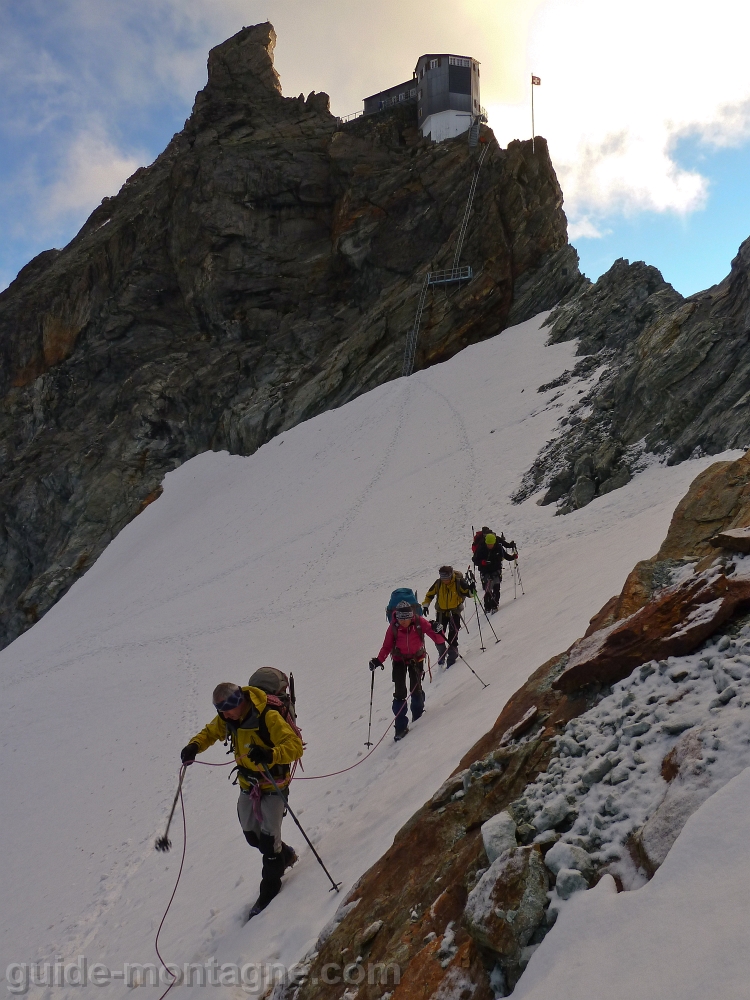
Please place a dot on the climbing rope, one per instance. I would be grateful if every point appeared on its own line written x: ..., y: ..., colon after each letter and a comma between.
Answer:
x: 177, y: 882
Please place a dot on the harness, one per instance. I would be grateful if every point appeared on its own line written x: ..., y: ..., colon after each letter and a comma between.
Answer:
x: 278, y: 771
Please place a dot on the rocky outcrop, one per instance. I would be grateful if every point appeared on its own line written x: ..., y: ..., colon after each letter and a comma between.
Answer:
x: 674, y: 622
x: 675, y: 379
x: 506, y: 907
x: 263, y: 269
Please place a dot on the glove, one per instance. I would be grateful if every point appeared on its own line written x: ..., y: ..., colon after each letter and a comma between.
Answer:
x: 425, y: 611
x: 260, y: 755
x: 437, y: 627
x: 187, y: 754
x: 375, y: 663
x: 441, y: 650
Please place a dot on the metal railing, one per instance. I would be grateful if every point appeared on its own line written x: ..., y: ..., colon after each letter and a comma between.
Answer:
x: 391, y: 102
x: 450, y: 274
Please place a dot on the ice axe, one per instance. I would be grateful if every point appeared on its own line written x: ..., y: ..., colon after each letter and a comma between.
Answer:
x: 164, y: 843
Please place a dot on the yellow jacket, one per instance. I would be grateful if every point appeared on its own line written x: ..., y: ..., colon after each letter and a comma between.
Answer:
x: 286, y: 744
x: 448, y: 596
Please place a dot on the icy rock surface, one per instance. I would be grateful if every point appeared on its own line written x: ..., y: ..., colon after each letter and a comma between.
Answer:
x: 633, y: 768
x: 499, y: 835
x: 569, y: 880
x: 564, y: 855
x: 508, y: 903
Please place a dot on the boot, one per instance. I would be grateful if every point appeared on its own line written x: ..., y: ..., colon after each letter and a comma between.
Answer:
x: 452, y: 656
x: 270, y: 883
x: 402, y: 720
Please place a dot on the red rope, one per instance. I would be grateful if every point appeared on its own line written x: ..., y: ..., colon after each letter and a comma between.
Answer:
x: 206, y: 763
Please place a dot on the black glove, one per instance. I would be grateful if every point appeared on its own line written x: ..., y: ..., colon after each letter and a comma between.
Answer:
x: 260, y: 755
x: 187, y: 754
x: 375, y: 663
x: 425, y: 611
x: 437, y: 627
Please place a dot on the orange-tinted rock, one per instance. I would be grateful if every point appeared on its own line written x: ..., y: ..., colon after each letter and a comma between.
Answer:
x: 718, y: 500
x: 673, y: 623
x: 734, y: 539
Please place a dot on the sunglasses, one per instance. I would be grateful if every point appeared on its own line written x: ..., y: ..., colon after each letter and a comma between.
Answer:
x: 232, y: 702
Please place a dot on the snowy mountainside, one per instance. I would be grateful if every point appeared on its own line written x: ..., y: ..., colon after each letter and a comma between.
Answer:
x: 287, y: 557
x: 676, y: 380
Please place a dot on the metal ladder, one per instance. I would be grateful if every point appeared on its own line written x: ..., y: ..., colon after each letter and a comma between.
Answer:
x: 412, y: 336
x: 467, y: 211
x: 442, y: 277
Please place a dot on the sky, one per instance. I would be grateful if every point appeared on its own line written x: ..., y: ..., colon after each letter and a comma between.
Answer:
x: 646, y: 106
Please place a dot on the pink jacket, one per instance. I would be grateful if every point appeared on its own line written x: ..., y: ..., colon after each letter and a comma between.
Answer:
x: 408, y: 641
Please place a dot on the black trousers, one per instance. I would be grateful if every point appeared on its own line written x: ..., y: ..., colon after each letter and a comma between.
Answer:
x: 451, y: 622
x: 416, y: 673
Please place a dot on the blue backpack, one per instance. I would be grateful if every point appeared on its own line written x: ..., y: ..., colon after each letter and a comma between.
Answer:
x: 399, y: 595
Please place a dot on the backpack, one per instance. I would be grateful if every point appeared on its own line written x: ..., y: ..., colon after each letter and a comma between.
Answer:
x: 479, y: 539
x: 279, y: 692
x: 399, y: 595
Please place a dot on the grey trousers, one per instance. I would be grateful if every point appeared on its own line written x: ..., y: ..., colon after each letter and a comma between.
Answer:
x: 272, y: 808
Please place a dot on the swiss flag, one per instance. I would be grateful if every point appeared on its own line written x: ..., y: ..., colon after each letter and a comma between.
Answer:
x: 536, y: 81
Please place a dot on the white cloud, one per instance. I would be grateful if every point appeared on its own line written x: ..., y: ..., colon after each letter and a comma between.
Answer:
x: 621, y: 86
x: 585, y: 228
x: 92, y: 169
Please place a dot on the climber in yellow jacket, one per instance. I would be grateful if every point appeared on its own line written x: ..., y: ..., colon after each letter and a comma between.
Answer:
x: 449, y: 591
x: 261, y: 738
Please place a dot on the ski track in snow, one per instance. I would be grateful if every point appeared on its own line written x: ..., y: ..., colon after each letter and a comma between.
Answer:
x: 287, y: 557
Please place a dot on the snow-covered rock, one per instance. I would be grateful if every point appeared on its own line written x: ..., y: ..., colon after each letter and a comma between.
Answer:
x: 563, y: 855
x: 508, y: 903
x: 498, y: 835
x: 569, y: 880
x: 654, y: 750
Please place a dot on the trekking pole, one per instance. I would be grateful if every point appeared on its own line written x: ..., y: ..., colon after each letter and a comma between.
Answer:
x: 473, y: 585
x: 479, y: 625
x: 463, y: 622
x: 372, y: 692
x: 473, y: 670
x: 164, y: 843
x: 518, y: 571
x: 335, y: 886
x: 491, y: 626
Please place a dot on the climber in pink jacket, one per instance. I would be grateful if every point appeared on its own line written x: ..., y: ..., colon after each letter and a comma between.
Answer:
x: 404, y: 641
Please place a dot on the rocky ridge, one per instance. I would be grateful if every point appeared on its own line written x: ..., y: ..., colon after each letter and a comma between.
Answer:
x: 263, y: 269
x: 590, y: 771
x: 674, y: 379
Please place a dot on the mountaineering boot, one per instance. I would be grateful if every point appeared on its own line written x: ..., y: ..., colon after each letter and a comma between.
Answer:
x: 270, y: 883
x: 452, y: 656
x: 417, y: 705
x: 400, y: 735
x: 402, y: 720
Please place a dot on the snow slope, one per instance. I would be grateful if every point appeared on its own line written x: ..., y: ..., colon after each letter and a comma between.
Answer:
x: 683, y: 936
x: 287, y: 558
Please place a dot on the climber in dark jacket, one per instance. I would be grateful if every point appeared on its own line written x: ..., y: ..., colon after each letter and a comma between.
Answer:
x: 489, y: 550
